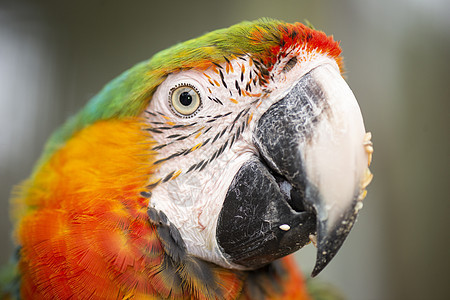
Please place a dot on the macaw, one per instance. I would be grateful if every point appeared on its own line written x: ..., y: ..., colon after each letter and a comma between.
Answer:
x: 194, y: 174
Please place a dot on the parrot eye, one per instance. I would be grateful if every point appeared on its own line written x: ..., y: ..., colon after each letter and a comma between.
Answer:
x: 184, y: 100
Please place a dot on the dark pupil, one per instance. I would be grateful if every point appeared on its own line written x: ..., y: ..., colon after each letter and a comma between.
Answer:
x: 185, y: 98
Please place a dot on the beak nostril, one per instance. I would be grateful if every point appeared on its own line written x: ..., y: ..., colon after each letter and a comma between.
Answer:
x: 290, y: 64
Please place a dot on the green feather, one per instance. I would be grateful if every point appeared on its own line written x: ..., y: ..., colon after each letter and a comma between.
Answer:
x: 9, y: 280
x: 319, y: 290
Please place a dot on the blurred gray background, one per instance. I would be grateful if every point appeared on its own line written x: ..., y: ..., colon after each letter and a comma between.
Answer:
x: 55, y: 55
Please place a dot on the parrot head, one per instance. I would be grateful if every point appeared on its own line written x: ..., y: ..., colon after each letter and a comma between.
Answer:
x: 260, y: 145
x: 236, y: 148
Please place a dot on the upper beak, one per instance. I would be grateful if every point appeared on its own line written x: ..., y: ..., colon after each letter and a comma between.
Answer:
x: 314, y: 137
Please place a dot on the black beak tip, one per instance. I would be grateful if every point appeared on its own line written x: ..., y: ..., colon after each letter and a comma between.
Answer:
x: 329, y: 241
x: 323, y: 258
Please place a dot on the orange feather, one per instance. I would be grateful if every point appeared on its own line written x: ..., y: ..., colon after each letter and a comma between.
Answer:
x: 84, y: 231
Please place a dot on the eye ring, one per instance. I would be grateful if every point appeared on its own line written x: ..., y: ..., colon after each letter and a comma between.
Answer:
x: 184, y: 100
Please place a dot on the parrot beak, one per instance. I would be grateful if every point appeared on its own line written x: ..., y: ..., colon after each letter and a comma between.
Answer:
x: 321, y: 153
x: 313, y: 143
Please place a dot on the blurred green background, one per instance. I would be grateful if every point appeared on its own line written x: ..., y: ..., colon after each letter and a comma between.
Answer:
x: 55, y: 55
